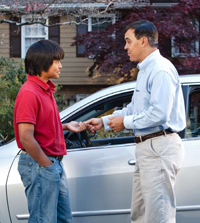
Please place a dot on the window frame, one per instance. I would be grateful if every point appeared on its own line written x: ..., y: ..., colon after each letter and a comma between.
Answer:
x: 101, y: 16
x: 16, y: 40
x: 23, y: 37
x: 88, y: 28
x: 192, y: 89
x: 175, y: 51
x: 85, y: 113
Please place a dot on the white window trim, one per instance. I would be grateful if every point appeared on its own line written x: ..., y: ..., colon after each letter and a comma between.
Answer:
x: 102, y: 16
x: 175, y: 52
x: 23, y: 53
x: 79, y: 97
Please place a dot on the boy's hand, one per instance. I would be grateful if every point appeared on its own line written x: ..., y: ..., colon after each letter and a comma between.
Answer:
x: 74, y: 126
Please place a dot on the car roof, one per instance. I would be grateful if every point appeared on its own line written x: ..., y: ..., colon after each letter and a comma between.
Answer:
x: 190, y: 78
x: 116, y: 89
x: 99, y: 95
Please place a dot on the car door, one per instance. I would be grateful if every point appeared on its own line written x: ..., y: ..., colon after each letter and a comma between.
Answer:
x: 188, y: 180
x: 99, y: 175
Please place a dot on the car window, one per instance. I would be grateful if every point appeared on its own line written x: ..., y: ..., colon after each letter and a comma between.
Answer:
x: 193, y: 120
x: 107, y: 108
x: 99, y: 109
x: 121, y: 103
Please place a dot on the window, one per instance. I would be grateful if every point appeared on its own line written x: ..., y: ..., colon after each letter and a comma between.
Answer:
x: 101, y: 108
x: 100, y: 23
x: 95, y: 23
x: 21, y: 39
x: 178, y: 52
x: 81, y: 96
x: 193, y: 121
x: 32, y: 34
x: 181, y: 50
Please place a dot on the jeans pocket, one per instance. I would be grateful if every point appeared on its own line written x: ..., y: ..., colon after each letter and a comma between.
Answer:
x: 25, y: 169
x: 51, y: 172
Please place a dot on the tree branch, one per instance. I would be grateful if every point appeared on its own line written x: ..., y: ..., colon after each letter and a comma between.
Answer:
x: 47, y: 8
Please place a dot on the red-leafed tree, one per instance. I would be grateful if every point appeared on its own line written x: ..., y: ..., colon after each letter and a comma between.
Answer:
x: 178, y: 28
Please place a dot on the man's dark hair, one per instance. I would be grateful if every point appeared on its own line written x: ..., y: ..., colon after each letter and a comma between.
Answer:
x: 40, y: 56
x: 144, y: 28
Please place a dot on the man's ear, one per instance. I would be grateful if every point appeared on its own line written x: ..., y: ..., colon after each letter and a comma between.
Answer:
x: 144, y: 41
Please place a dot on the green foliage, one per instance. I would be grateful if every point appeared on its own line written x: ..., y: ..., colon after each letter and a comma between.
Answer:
x: 60, y: 98
x: 12, y: 76
x: 101, y: 134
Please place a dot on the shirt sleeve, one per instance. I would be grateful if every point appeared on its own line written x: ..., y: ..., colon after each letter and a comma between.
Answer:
x: 163, y: 90
x: 26, y: 108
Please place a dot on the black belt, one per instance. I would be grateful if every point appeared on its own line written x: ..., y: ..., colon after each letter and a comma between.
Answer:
x: 139, y: 139
x: 55, y: 157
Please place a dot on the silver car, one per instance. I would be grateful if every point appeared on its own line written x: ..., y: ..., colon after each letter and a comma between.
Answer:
x: 100, y: 167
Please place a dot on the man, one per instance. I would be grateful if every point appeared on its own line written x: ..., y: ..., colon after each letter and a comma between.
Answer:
x: 39, y: 134
x: 156, y: 114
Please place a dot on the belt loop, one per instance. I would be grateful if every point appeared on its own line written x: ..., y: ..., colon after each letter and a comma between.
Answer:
x: 164, y: 132
x: 140, y: 138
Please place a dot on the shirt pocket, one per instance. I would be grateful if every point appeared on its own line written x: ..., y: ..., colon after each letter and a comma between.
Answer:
x: 141, y: 100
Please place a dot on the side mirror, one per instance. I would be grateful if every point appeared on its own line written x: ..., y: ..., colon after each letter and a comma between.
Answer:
x: 2, y: 140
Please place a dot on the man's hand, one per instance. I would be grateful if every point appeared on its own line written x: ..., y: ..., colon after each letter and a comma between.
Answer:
x: 74, y: 126
x: 116, y: 123
x: 94, y: 124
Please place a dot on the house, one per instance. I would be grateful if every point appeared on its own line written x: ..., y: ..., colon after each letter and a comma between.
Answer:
x: 14, y: 42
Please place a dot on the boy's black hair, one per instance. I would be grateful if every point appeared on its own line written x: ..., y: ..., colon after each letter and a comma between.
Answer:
x: 40, y: 56
x: 144, y: 28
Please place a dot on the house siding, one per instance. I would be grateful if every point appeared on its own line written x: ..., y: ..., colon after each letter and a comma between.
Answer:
x: 4, y: 39
x: 74, y: 68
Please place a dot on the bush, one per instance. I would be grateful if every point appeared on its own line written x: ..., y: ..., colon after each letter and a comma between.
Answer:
x: 12, y: 76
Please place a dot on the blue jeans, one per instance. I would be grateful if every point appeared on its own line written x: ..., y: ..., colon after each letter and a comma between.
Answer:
x: 46, y: 190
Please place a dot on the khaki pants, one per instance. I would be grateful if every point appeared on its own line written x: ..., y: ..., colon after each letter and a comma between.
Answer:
x: 157, y: 162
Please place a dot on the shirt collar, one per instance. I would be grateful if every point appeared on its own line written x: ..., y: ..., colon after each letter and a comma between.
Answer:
x: 143, y: 65
x: 46, y: 86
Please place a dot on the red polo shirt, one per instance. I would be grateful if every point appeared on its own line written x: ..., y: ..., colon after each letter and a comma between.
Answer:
x: 35, y: 104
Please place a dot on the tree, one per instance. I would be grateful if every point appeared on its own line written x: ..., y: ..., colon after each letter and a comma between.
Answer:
x: 73, y: 9
x: 12, y: 76
x: 177, y: 25
x: 11, y: 79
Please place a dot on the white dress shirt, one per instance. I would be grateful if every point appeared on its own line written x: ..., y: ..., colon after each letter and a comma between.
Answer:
x: 157, y: 102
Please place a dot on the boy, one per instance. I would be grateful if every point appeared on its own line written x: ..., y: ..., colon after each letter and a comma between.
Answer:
x: 39, y: 134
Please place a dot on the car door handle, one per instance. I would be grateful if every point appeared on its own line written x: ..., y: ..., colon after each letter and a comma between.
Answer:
x: 132, y: 162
